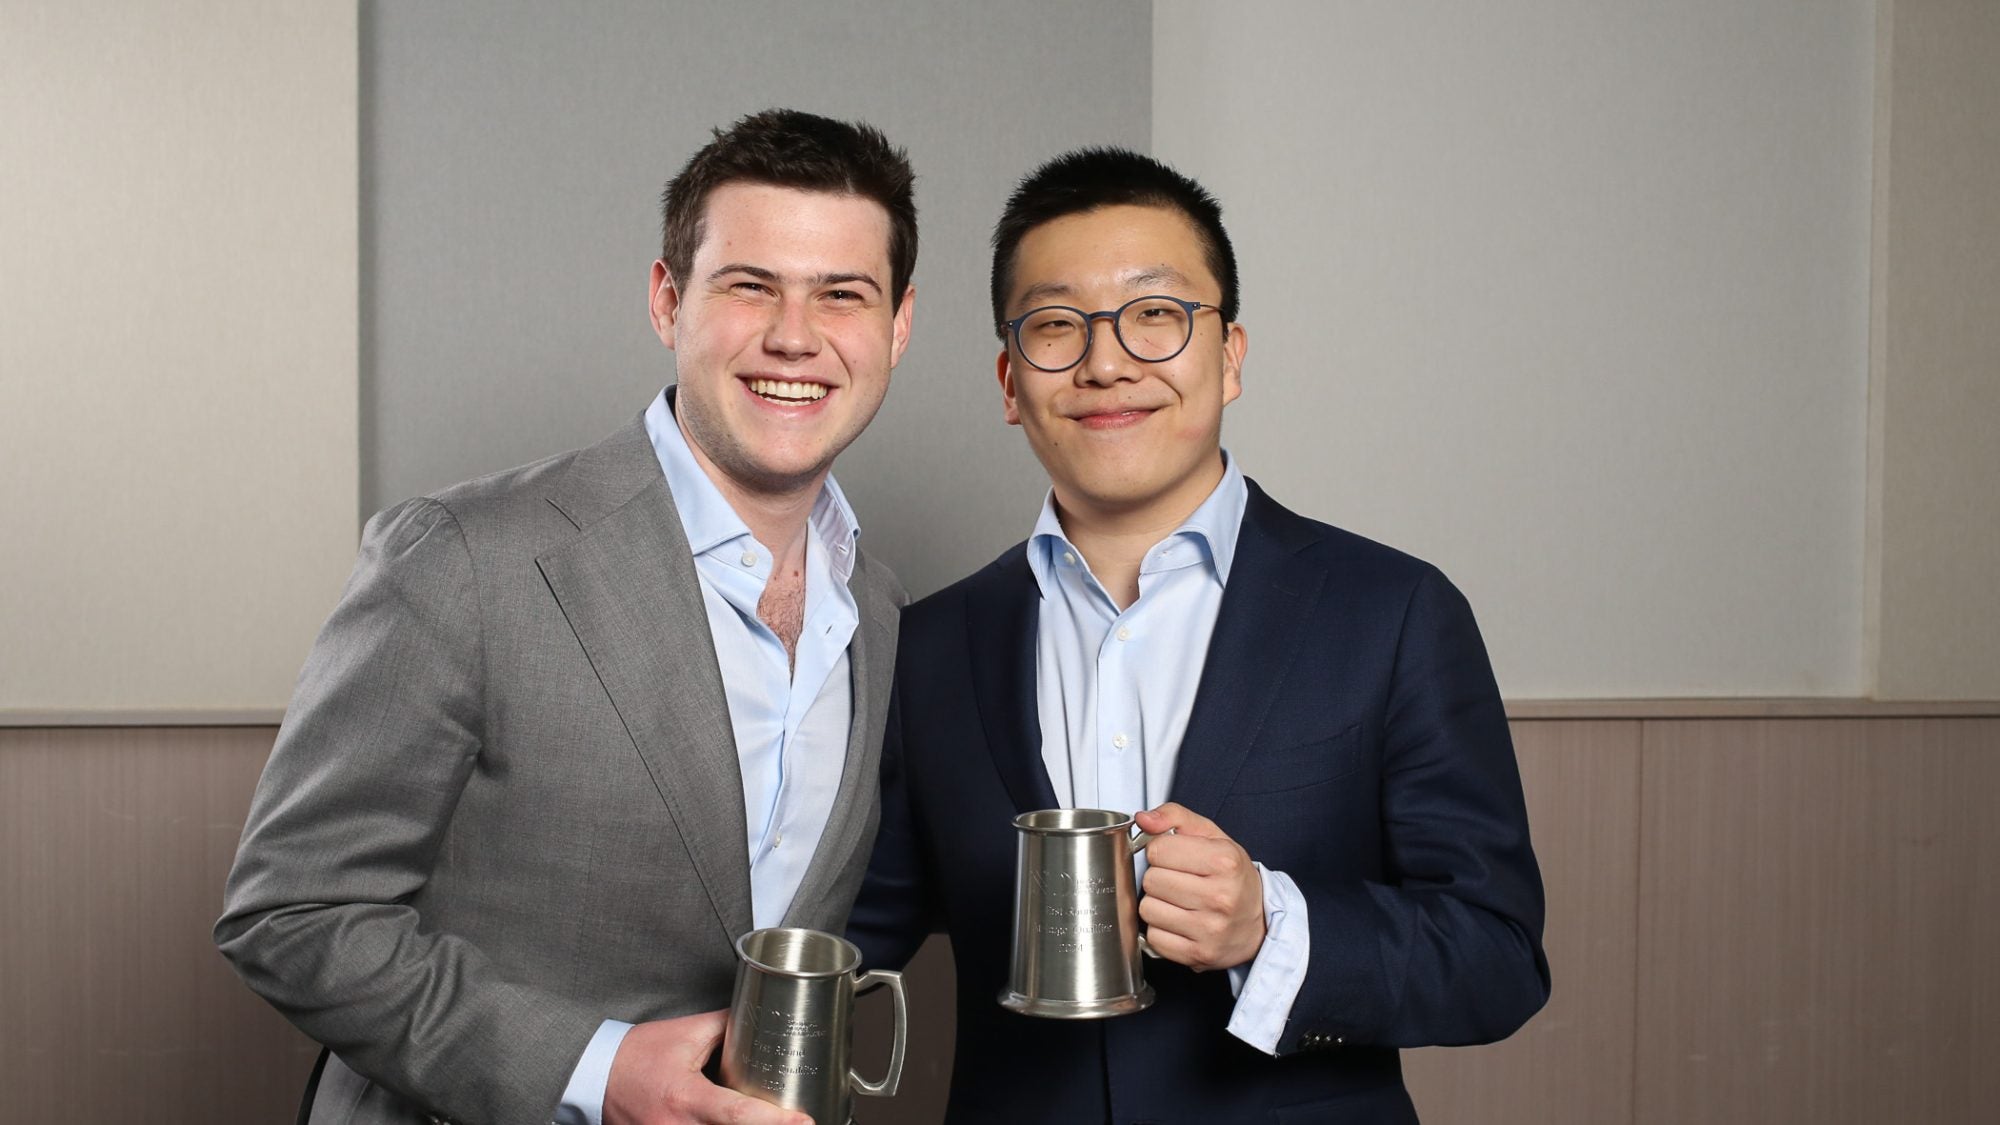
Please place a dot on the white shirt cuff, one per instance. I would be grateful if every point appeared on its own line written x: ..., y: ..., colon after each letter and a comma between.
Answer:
x: 1266, y: 986
x: 583, y: 1100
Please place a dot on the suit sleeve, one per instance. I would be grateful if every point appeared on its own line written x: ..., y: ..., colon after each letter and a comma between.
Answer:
x: 1447, y: 949
x: 895, y: 910
x: 383, y: 732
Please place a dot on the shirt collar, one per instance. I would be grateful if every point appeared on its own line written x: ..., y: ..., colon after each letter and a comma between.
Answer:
x: 1213, y: 525
x: 705, y: 514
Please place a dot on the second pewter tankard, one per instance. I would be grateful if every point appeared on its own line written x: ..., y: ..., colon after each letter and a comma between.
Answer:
x: 1076, y: 916
x: 789, y: 1039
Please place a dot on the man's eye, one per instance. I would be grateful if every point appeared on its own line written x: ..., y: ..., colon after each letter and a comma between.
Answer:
x: 751, y: 287
x: 844, y: 296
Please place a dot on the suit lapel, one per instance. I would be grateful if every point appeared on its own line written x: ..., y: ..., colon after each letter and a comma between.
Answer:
x: 1257, y: 634
x: 627, y: 585
x: 870, y: 659
x: 1001, y: 617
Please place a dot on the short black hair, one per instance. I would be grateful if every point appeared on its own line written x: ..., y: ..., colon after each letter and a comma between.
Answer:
x: 1089, y: 178
x: 794, y: 149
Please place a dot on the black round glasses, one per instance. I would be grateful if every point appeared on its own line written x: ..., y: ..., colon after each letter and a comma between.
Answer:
x: 1151, y: 329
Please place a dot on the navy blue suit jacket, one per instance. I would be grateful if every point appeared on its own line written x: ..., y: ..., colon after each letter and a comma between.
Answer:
x: 1347, y: 731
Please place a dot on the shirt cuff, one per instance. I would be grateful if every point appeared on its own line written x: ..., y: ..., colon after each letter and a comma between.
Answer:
x: 1266, y: 986
x: 583, y: 1100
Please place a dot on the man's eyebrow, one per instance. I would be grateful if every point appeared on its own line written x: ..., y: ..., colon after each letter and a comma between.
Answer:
x: 758, y: 272
x: 867, y: 279
x: 816, y: 281
x: 1151, y: 275
x: 1043, y: 290
x: 1141, y: 277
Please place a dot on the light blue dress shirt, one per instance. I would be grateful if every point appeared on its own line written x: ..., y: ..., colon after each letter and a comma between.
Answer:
x: 791, y: 719
x: 1114, y: 691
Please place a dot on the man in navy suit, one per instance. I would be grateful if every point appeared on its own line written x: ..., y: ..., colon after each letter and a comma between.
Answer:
x: 1308, y: 718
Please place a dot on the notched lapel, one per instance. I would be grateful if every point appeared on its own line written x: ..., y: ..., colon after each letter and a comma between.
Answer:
x: 628, y: 587
x: 1001, y: 617
x: 1257, y: 635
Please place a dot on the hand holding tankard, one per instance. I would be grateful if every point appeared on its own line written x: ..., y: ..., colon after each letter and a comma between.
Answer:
x: 1204, y: 898
x: 656, y: 1079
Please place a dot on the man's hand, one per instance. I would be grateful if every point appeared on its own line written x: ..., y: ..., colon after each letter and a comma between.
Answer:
x: 1204, y: 902
x: 656, y: 1079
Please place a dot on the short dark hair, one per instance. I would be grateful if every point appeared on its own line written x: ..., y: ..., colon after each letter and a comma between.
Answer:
x: 794, y: 149
x: 1089, y: 178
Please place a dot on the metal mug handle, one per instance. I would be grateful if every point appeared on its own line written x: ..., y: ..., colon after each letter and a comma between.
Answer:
x: 867, y: 982
x: 1138, y: 843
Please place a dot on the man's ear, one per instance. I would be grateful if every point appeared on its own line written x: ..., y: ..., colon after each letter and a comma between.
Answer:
x: 904, y: 311
x: 663, y: 298
x: 1005, y: 371
x: 1234, y: 346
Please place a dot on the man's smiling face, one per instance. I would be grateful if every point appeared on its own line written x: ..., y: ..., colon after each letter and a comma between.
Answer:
x: 784, y: 332
x: 1118, y: 436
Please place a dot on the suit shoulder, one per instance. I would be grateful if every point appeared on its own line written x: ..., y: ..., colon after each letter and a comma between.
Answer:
x: 504, y: 491
x: 1354, y: 558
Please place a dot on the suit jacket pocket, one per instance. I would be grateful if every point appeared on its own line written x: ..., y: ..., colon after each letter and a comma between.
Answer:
x: 1299, y: 765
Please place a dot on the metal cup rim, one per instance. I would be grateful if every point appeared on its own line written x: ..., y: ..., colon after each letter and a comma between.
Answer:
x: 1118, y: 822
x: 850, y: 953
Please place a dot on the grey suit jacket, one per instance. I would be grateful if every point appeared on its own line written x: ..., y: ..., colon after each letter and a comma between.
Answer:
x: 505, y: 802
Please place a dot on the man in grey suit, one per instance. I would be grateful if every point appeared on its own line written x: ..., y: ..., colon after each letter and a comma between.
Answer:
x: 575, y: 727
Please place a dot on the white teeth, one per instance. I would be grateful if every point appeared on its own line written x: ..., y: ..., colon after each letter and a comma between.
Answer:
x: 788, y: 391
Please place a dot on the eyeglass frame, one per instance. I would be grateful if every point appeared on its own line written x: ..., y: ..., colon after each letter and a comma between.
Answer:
x: 1090, y: 320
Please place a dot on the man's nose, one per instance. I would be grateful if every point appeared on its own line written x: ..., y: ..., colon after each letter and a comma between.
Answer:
x: 1105, y: 360
x: 791, y: 331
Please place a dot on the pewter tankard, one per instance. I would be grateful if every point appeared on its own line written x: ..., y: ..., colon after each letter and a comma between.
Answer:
x: 1076, y: 916
x: 790, y: 1033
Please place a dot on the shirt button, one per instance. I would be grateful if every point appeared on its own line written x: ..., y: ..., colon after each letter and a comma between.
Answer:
x: 778, y: 841
x: 1118, y: 740
x: 749, y: 558
x: 1069, y: 557
x: 1124, y: 634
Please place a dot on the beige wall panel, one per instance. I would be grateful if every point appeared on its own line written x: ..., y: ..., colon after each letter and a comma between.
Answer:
x: 1573, y: 1062
x: 1935, y: 533
x: 114, y: 1004
x: 1818, y: 923
x: 178, y: 348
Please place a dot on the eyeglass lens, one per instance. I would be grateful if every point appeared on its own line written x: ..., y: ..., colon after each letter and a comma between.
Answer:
x: 1151, y: 328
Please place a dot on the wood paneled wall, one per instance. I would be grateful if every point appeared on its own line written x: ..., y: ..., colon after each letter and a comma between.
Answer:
x: 1766, y: 916
x: 1753, y: 920
x: 114, y: 1004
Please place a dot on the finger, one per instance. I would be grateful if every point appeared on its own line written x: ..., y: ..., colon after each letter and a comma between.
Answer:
x: 1196, y: 855
x: 1189, y: 892
x: 1178, y: 818
x: 1163, y: 917
x: 1173, y: 947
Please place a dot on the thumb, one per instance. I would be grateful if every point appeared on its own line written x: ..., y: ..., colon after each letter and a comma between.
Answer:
x: 1176, y: 818
x: 699, y: 1034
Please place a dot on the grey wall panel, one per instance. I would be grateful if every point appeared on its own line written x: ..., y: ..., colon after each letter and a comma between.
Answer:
x: 512, y: 157
x: 1569, y: 297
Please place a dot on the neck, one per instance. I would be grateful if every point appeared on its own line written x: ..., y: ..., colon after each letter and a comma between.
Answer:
x: 1114, y: 538
x: 776, y: 517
